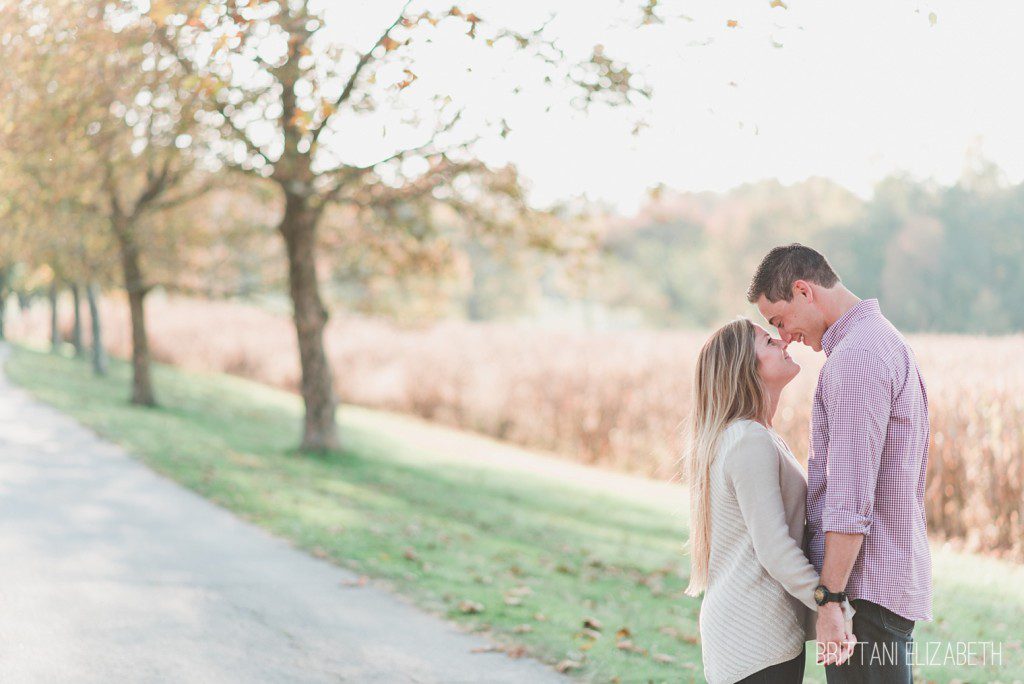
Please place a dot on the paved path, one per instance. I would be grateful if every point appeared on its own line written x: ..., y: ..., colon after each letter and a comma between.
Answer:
x: 112, y: 573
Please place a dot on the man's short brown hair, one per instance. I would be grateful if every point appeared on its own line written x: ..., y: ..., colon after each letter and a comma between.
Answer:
x: 783, y: 266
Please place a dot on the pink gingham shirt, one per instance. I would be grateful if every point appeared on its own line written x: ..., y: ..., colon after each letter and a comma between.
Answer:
x: 867, y: 461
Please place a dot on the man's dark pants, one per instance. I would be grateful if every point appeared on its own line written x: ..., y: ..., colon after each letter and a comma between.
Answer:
x: 883, y: 652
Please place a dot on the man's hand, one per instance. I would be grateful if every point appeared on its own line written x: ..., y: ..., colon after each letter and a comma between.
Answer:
x: 835, y: 635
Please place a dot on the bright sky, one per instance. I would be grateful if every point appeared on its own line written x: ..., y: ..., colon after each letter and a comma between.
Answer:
x: 856, y: 91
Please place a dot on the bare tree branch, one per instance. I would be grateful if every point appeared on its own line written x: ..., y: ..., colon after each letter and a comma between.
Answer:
x: 242, y: 135
x: 381, y: 195
x: 401, y: 154
x: 184, y: 197
x: 363, y: 61
x: 110, y: 186
x: 156, y: 183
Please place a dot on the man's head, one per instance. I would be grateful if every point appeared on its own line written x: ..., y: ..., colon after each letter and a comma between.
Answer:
x: 792, y: 289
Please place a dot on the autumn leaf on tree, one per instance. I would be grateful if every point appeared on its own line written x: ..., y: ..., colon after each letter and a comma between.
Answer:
x: 327, y: 107
x: 473, y: 21
x: 405, y: 83
x: 221, y: 42
x: 159, y: 10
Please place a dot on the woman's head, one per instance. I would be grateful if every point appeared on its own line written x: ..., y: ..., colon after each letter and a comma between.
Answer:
x: 737, y: 369
x: 727, y: 384
x: 774, y: 364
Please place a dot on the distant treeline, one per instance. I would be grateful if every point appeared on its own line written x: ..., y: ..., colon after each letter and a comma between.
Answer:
x: 939, y: 258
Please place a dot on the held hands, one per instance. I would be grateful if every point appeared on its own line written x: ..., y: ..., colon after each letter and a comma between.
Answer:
x: 836, y: 639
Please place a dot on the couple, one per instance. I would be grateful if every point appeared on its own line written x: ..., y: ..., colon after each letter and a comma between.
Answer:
x: 866, y: 575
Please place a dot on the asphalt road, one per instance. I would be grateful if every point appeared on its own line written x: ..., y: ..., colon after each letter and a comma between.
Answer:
x: 110, y: 572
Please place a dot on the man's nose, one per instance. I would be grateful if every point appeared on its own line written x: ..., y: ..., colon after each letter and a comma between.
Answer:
x: 786, y: 338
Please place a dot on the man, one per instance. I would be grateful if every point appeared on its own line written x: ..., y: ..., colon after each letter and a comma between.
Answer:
x: 866, y: 466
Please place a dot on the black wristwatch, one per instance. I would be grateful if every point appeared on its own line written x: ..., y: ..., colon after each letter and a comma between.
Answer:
x: 822, y: 595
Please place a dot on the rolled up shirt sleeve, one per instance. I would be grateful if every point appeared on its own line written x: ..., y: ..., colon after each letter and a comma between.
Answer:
x: 858, y: 401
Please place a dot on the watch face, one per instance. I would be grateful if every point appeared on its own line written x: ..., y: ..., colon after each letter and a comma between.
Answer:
x: 819, y: 596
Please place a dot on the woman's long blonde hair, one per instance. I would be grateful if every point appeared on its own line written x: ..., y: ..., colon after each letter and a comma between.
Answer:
x: 726, y: 387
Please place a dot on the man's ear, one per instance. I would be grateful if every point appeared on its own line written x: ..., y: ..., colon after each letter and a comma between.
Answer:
x: 803, y: 288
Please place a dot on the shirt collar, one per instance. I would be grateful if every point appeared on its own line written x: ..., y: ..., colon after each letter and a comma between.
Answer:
x: 838, y: 330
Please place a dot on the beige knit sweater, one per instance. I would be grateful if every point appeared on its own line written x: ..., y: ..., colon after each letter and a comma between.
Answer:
x: 758, y: 608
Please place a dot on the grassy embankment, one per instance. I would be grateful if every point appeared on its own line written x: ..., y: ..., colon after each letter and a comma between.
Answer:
x: 538, y: 557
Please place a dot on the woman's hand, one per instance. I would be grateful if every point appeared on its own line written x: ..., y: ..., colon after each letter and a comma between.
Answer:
x: 836, y: 639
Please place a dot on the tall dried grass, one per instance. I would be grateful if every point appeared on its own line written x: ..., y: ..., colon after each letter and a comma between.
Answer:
x: 614, y: 399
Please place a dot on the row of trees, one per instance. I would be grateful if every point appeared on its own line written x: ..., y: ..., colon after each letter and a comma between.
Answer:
x: 939, y: 258
x: 122, y: 122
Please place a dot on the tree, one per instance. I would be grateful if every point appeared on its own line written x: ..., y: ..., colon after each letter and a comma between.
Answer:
x: 102, y: 119
x: 12, y: 239
x: 282, y: 95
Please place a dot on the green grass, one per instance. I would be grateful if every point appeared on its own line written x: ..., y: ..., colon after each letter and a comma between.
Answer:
x: 443, y: 533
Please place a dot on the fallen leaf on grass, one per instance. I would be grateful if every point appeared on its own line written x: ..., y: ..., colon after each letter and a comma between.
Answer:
x: 628, y: 645
x: 567, y: 665
x: 522, y: 629
x: 675, y: 633
x: 592, y: 623
x: 468, y: 607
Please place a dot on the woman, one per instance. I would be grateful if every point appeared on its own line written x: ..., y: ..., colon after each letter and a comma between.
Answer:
x: 747, y: 499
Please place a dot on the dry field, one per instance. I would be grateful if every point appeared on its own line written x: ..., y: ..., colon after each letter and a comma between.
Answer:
x: 613, y: 399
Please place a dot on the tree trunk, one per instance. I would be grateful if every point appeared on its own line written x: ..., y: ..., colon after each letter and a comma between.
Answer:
x: 99, y: 354
x: 76, y: 331
x: 54, y: 323
x: 142, y: 384
x: 298, y: 227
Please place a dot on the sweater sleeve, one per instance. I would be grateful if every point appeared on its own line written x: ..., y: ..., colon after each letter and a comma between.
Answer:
x: 752, y: 467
